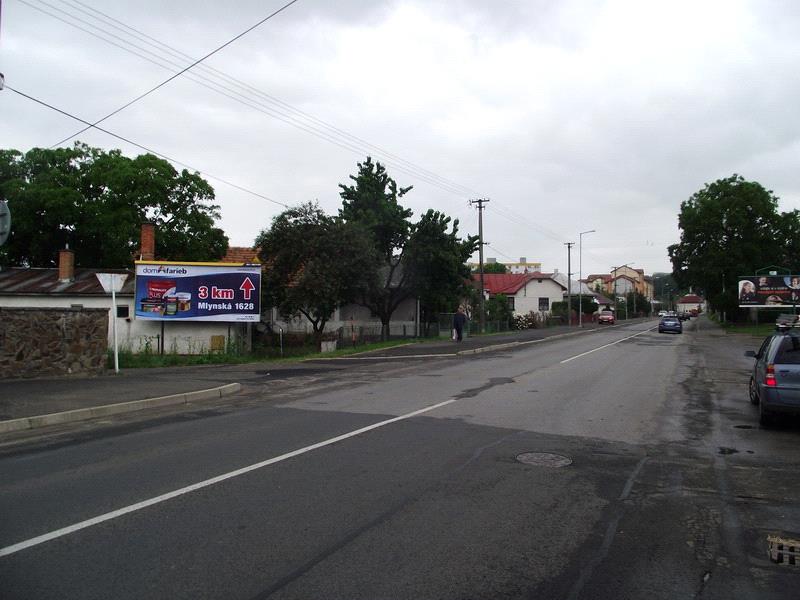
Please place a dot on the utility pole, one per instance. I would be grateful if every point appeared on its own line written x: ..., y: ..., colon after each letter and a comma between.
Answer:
x: 569, y: 246
x: 480, y: 202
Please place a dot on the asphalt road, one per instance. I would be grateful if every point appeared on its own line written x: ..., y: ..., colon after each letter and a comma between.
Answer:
x: 402, y: 480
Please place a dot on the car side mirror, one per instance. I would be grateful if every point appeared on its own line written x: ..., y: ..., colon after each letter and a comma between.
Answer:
x: 751, y: 354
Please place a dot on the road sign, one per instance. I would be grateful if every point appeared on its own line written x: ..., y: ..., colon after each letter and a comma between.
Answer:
x: 113, y: 282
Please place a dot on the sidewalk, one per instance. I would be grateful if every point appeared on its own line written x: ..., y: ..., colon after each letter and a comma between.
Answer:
x: 482, y: 343
x: 33, y: 403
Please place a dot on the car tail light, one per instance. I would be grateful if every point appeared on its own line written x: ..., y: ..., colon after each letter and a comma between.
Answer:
x: 769, y: 380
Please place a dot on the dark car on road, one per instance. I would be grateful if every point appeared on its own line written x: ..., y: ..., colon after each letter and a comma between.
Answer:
x: 670, y: 324
x: 775, y: 382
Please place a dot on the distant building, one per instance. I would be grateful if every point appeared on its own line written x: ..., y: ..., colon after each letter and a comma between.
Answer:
x: 523, y: 266
x: 690, y: 302
x: 621, y: 281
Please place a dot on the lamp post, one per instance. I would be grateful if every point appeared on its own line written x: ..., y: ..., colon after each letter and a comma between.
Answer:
x: 580, y: 275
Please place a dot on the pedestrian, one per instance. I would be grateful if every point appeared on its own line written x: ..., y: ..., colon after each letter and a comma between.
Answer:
x: 459, y: 320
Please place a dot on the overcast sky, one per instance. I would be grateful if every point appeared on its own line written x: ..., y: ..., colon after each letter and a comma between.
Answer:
x: 568, y: 115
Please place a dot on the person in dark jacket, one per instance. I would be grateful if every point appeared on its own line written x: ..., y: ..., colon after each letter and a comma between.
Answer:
x: 459, y: 320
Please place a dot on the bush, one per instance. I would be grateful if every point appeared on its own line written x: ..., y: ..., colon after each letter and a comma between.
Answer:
x: 532, y: 320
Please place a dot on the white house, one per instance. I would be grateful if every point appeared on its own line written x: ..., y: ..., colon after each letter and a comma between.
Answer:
x: 526, y: 292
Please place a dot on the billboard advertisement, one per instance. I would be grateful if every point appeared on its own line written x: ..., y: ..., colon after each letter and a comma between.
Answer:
x: 769, y: 291
x: 169, y: 291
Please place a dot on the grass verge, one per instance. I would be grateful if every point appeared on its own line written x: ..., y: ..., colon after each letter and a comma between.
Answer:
x: 148, y: 360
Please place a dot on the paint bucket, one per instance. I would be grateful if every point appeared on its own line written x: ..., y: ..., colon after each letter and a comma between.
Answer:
x: 170, y: 305
x: 184, y: 301
x: 158, y: 288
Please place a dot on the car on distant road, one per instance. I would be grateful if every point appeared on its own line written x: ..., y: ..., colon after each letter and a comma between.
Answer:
x: 775, y: 382
x: 667, y: 324
x: 662, y: 313
x: 684, y: 316
x: 606, y: 317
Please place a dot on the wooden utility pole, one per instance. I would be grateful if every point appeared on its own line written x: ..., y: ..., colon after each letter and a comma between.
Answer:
x: 480, y: 202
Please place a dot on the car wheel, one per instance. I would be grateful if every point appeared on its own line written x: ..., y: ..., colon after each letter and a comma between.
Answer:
x: 753, y: 391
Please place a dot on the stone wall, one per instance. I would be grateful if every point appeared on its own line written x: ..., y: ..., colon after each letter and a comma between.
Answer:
x: 36, y: 342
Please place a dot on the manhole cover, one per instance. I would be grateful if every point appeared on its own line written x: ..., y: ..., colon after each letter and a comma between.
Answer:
x: 544, y: 459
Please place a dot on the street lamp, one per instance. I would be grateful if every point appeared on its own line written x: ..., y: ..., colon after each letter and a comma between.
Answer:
x: 580, y: 275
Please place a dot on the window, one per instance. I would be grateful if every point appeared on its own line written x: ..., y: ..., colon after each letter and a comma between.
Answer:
x: 510, y: 300
x: 123, y: 311
x: 789, y: 351
x: 544, y: 304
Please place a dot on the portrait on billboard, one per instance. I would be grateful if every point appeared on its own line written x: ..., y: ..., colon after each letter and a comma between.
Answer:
x: 747, y: 292
x: 769, y: 291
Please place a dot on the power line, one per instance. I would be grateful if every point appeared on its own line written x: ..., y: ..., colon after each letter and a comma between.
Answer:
x: 119, y: 25
x: 198, y: 61
x: 263, y: 102
x: 145, y: 148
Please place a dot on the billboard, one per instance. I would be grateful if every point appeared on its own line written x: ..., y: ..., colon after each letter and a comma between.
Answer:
x: 769, y: 291
x: 169, y: 291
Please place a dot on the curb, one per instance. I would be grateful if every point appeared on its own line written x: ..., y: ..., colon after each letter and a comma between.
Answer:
x: 81, y: 414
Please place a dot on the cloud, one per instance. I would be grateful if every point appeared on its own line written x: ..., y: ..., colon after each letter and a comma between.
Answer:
x: 570, y: 116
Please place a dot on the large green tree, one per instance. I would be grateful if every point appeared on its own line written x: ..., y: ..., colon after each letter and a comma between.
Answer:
x: 729, y: 228
x: 372, y: 203
x: 314, y: 264
x: 95, y: 201
x: 436, y: 258
x: 413, y: 260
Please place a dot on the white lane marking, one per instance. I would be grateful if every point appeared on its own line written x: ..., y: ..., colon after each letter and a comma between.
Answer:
x: 208, y: 482
x: 566, y: 360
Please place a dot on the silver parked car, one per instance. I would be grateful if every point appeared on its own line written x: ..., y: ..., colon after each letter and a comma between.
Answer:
x: 775, y: 382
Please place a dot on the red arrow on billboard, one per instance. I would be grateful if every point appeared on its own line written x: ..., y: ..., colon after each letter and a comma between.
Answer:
x: 247, y: 287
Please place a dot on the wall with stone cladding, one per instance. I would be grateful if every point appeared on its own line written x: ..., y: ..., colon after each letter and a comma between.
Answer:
x: 35, y: 342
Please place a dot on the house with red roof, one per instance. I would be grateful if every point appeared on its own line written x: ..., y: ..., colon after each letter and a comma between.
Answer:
x: 526, y: 292
x: 690, y: 302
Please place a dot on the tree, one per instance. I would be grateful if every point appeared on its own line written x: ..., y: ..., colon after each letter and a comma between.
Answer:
x: 729, y: 228
x: 492, y: 268
x: 637, y: 304
x: 372, y: 203
x: 422, y: 259
x: 583, y: 303
x: 435, y: 259
x: 497, y: 309
x: 95, y: 201
x: 315, y: 263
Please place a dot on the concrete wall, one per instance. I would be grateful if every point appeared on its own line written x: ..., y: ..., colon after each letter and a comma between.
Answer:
x: 136, y: 335
x: 52, y: 341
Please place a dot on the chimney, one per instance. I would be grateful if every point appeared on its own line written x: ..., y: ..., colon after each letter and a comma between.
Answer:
x: 66, y: 265
x: 148, y: 244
